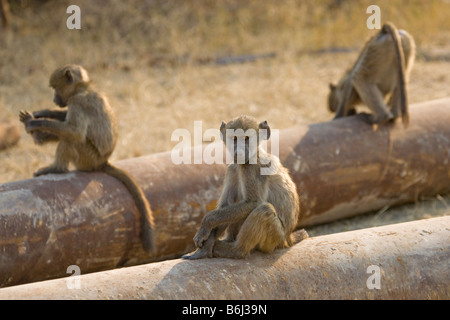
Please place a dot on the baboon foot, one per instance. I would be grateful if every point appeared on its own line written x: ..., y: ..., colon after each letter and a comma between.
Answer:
x: 380, y: 119
x: 197, y: 254
x: 48, y: 170
x: 299, y: 235
x: 224, y: 249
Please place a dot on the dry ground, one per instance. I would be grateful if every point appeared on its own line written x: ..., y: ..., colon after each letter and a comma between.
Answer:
x: 155, y: 61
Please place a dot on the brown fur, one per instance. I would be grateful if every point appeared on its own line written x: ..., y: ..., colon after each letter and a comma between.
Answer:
x: 86, y: 131
x: 256, y: 211
x: 381, y: 70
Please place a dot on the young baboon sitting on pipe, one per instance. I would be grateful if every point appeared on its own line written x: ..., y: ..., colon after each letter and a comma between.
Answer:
x: 86, y: 131
x: 257, y: 211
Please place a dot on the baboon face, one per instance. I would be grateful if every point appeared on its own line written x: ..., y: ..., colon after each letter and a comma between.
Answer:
x: 63, y: 90
x: 58, y: 100
x: 333, y: 98
x: 242, y: 137
x: 65, y: 81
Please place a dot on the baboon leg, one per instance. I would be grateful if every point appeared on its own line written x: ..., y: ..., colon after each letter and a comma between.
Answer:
x: 272, y: 234
x: 341, y: 111
x: 262, y: 230
x: 206, y: 251
x: 232, y: 231
x: 91, y: 160
x: 64, y: 152
x: 371, y: 95
x: 347, y: 103
x: 225, y: 249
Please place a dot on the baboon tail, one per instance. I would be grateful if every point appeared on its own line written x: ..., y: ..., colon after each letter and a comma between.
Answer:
x: 297, y: 236
x: 390, y: 29
x: 147, y: 235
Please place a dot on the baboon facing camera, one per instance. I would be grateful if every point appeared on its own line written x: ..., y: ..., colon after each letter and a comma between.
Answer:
x: 256, y: 211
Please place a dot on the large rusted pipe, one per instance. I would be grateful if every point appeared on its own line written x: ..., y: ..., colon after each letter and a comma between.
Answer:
x: 401, y: 261
x: 341, y: 168
x: 345, y: 167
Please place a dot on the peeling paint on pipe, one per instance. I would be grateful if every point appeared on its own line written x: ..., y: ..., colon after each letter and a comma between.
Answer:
x: 401, y: 261
x: 341, y: 168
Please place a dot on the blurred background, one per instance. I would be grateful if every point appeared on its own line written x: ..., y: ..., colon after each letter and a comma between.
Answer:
x: 166, y: 63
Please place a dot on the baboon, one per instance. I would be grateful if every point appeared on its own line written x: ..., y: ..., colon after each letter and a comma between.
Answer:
x: 256, y: 211
x: 381, y: 70
x: 86, y: 131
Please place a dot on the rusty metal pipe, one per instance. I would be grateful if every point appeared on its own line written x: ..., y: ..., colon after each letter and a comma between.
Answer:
x: 341, y: 168
x: 401, y: 261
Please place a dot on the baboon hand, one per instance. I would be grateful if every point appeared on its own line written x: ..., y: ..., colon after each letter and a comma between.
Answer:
x: 32, y: 125
x: 25, y: 116
x: 202, y: 235
x: 205, y: 230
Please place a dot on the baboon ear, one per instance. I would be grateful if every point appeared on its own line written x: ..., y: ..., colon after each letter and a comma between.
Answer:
x: 69, y: 76
x: 265, y: 126
x: 223, y: 131
x: 332, y: 86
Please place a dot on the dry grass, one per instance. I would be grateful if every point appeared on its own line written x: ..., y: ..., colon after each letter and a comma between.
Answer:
x: 153, y: 59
